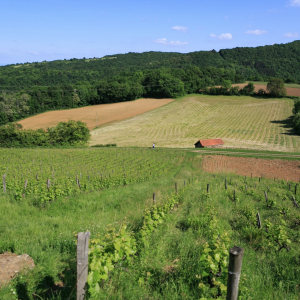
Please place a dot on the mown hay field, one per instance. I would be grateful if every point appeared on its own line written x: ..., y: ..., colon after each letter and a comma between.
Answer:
x: 242, y: 121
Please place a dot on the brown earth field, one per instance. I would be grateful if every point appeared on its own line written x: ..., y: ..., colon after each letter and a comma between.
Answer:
x: 268, y: 168
x: 289, y: 91
x: 106, y: 113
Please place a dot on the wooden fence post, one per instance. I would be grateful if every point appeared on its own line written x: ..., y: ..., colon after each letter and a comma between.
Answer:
x: 207, y: 188
x: 82, y: 263
x: 258, y: 221
x: 234, y: 272
x: 266, y: 197
x: 225, y: 184
x: 25, y: 184
x: 295, y: 203
x: 154, y: 199
x: 176, y: 188
x: 4, y: 183
x: 48, y: 184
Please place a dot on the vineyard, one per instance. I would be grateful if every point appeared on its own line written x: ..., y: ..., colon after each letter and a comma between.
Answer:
x: 46, y: 175
x: 171, y: 245
x: 241, y: 121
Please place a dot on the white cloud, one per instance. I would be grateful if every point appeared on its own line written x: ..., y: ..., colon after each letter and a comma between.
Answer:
x: 295, y: 3
x: 180, y: 28
x: 257, y: 32
x: 223, y: 36
x: 161, y: 41
x: 291, y: 34
x: 164, y: 41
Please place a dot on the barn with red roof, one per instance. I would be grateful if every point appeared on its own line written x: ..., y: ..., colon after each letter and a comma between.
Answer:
x: 213, y: 143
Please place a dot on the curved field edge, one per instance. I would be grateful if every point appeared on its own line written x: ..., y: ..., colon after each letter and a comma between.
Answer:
x: 241, y: 121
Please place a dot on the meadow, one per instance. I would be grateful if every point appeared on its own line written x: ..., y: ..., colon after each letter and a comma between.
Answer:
x: 178, y: 244
x: 241, y: 121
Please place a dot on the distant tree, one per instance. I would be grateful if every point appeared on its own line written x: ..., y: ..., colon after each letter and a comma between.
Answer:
x: 248, y: 89
x: 226, y: 84
x: 276, y: 87
x: 69, y: 133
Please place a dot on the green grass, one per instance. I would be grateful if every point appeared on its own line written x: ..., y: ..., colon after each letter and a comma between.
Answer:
x: 47, y: 233
x: 241, y: 121
x: 168, y: 266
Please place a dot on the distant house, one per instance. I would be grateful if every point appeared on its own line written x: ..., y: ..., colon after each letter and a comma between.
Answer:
x: 214, y: 143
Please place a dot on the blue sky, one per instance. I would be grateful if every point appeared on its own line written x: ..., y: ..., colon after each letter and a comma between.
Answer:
x: 50, y: 29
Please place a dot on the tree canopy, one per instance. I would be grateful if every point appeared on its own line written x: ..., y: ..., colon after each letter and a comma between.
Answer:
x: 275, y: 87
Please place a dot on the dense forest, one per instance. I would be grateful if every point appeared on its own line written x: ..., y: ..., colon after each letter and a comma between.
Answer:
x: 30, y: 88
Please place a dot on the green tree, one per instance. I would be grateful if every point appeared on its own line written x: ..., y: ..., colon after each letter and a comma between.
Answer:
x: 69, y: 133
x: 276, y: 87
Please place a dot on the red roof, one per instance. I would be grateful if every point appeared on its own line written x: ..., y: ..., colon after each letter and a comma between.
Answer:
x: 212, y: 142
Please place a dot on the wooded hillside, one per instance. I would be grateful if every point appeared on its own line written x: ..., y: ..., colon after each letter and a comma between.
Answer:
x: 31, y: 88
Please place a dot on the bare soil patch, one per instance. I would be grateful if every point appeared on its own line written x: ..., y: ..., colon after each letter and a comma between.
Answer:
x: 268, y: 168
x: 106, y: 113
x: 289, y: 91
x: 11, y: 264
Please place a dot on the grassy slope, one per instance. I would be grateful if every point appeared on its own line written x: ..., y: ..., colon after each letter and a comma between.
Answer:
x: 243, y: 122
x: 47, y: 235
x: 170, y: 263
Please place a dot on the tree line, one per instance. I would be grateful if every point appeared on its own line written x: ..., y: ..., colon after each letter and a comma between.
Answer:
x: 150, y: 83
x: 259, y: 63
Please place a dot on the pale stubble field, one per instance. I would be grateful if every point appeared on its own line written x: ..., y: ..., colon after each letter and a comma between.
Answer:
x: 242, y: 121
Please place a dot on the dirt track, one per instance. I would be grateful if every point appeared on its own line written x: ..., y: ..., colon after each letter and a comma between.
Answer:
x: 269, y: 168
x: 106, y: 113
x: 289, y: 91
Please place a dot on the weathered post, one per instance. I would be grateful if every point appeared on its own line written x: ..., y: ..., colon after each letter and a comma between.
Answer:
x: 234, y: 272
x: 4, y: 183
x: 25, y: 184
x: 207, y: 188
x: 37, y: 177
x: 225, y: 184
x: 258, y: 221
x: 154, y: 199
x: 82, y: 263
x: 266, y: 197
x: 176, y: 188
x: 295, y: 203
x: 48, y: 184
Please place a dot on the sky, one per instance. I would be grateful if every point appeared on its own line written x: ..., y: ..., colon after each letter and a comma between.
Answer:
x: 32, y: 30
